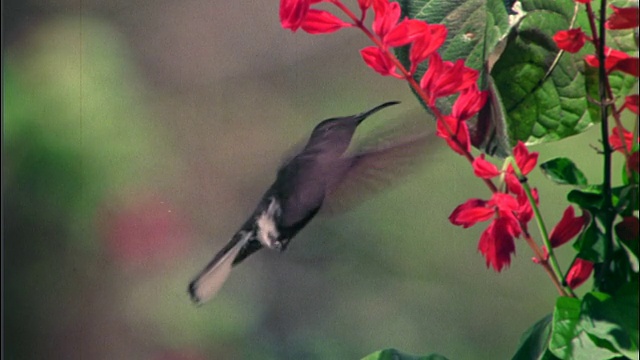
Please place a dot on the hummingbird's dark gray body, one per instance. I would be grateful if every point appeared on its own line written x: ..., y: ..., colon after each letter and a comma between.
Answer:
x: 292, y: 200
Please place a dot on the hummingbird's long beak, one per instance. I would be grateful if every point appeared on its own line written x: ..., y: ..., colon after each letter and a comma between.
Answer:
x: 360, y: 117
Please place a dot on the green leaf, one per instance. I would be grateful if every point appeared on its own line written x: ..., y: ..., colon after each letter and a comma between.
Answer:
x: 534, y: 342
x: 393, y: 354
x: 545, y: 96
x: 563, y: 171
x: 587, y: 198
x: 614, y: 319
x: 569, y: 340
x: 591, y: 243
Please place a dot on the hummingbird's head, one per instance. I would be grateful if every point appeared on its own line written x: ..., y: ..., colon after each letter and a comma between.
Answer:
x: 335, y: 134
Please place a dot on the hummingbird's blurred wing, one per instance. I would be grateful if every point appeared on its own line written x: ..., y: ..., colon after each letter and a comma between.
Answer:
x: 383, y: 159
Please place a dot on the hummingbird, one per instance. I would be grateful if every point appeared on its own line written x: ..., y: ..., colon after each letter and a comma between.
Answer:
x: 301, y: 187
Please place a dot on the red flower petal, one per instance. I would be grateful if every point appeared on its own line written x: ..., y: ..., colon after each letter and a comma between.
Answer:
x: 513, y: 184
x: 631, y: 103
x: 405, y: 32
x: 616, y: 143
x: 622, y: 18
x: 470, y: 213
x: 484, y: 169
x: 504, y: 202
x: 322, y: 22
x: 567, y: 228
x: 446, y: 78
x: 292, y: 13
x: 378, y: 61
x: 469, y: 103
x: 525, y: 211
x: 455, y: 132
x: 570, y: 40
x: 579, y: 273
x: 630, y: 65
x: 634, y: 162
x: 496, y: 244
x: 612, y: 57
x: 427, y: 44
x: 526, y: 161
x: 583, y: 1
x: 387, y: 16
x: 627, y: 229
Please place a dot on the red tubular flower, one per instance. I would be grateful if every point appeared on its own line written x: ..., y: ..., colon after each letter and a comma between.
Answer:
x: 615, y: 60
x: 322, y: 22
x: 378, y: 61
x: 622, y: 18
x: 405, y: 32
x: 497, y: 245
x: 484, y: 169
x: 469, y: 103
x: 567, y: 228
x: 631, y: 103
x: 616, y: 144
x: 427, y: 44
x: 470, y: 213
x: 455, y: 132
x: 386, y: 16
x: 292, y: 13
x: 446, y: 78
x: 526, y: 161
x: 570, y: 40
x: 525, y: 211
x: 579, y: 273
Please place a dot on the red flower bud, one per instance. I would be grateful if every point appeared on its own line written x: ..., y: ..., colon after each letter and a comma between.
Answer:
x: 567, y: 228
x: 378, y: 61
x: 579, y: 273
x: 455, y: 132
x: 484, y: 169
x: 570, y: 40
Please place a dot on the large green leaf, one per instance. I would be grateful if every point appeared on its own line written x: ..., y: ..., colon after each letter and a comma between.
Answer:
x: 569, y: 340
x: 534, y: 342
x: 393, y: 354
x: 545, y: 97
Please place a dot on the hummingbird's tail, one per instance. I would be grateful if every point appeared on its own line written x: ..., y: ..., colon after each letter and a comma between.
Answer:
x: 367, y: 113
x: 207, y: 283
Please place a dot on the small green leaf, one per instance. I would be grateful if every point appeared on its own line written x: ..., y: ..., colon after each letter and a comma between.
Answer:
x: 563, y: 171
x: 393, y: 354
x: 587, y: 198
x: 534, y: 342
x: 591, y: 243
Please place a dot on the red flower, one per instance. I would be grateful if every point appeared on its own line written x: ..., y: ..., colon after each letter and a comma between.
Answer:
x: 631, y: 103
x: 292, y: 13
x: 568, y: 227
x: 583, y: 1
x: 570, y: 40
x: 616, y: 144
x: 378, y: 61
x: 322, y: 22
x: 386, y: 16
x: 615, y: 60
x: 484, y: 169
x: 579, y: 272
x: 634, y: 162
x: 455, y: 132
x: 622, y: 18
x: 364, y: 4
x: 470, y: 213
x: 405, y: 32
x: 497, y: 245
x: 469, y: 103
x: 526, y: 161
x: 446, y: 78
x: 425, y: 45
x: 525, y: 211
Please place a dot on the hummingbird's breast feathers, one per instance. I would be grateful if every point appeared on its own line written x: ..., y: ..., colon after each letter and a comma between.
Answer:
x: 266, y: 223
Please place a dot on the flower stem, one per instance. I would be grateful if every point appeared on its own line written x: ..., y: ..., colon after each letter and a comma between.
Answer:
x: 557, y: 273
x: 545, y: 263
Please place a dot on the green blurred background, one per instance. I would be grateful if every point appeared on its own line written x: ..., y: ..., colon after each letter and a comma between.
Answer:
x: 137, y: 138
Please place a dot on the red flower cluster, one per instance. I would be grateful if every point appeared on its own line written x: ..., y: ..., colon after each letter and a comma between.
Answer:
x: 509, y: 211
